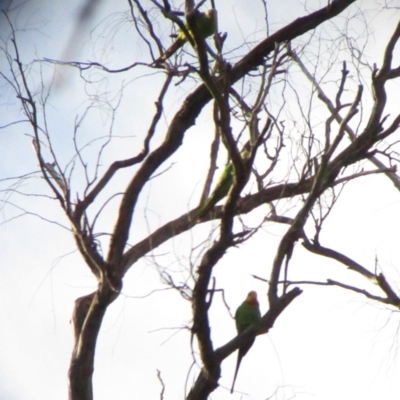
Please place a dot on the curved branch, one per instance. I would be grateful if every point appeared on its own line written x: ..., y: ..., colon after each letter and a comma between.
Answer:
x: 115, y: 166
x: 330, y: 253
x: 190, y: 110
x: 391, y: 296
x: 206, y: 382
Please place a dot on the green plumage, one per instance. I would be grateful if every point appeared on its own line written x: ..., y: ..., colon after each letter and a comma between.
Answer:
x: 222, y: 187
x: 247, y: 314
x: 206, y: 23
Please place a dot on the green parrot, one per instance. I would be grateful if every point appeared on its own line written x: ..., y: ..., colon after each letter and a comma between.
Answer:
x: 221, y: 189
x: 206, y: 25
x: 223, y: 185
x: 247, y: 314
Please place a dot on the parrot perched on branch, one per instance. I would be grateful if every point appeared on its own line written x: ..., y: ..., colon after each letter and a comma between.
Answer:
x: 206, y: 23
x: 223, y: 185
x: 247, y: 314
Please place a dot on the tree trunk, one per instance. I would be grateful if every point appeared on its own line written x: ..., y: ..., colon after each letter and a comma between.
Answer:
x: 87, y: 318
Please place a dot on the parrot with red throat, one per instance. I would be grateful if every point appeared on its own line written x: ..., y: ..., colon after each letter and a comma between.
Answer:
x: 247, y: 314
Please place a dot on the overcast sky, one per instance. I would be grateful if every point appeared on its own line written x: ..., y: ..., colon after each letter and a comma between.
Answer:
x: 328, y: 344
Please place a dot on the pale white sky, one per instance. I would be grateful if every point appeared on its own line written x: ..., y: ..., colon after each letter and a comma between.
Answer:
x: 328, y: 344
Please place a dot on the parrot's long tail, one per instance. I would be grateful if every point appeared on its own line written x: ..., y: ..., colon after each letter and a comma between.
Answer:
x: 239, y: 360
x: 241, y: 353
